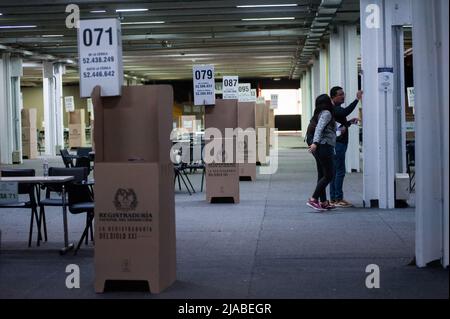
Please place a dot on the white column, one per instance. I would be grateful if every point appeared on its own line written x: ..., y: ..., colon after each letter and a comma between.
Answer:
x: 307, y: 104
x: 323, y: 70
x: 344, y: 53
x: 10, y: 107
x: 315, y: 80
x: 53, y: 108
x: 430, y: 44
x: 379, y: 135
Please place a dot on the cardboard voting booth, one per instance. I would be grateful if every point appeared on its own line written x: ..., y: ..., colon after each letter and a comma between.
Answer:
x: 29, y: 133
x: 134, y: 193
x: 246, y: 120
x: 222, y: 179
x: 77, y: 128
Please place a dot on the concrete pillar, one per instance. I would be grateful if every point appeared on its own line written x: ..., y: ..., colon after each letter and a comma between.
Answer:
x: 307, y: 102
x: 53, y: 107
x: 10, y: 108
x: 378, y: 17
x: 324, y: 70
x: 430, y: 45
x: 344, y: 53
x: 315, y: 79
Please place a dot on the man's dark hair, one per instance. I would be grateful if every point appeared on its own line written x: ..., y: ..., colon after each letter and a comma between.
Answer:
x: 334, y: 91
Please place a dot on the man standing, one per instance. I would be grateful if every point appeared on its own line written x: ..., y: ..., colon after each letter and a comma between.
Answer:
x: 338, y: 97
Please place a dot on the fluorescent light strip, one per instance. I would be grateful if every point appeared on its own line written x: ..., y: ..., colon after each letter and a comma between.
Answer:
x: 52, y: 35
x: 262, y: 19
x: 130, y: 10
x: 98, y: 11
x: 268, y: 5
x: 145, y: 22
x: 16, y: 26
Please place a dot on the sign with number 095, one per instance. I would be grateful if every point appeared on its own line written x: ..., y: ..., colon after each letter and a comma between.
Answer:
x: 204, y: 86
x: 100, y: 56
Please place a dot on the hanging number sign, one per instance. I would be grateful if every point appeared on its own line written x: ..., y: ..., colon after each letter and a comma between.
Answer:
x: 204, y: 86
x: 100, y: 56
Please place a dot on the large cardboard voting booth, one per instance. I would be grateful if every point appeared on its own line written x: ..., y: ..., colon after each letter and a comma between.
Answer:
x: 29, y: 133
x: 246, y: 120
x: 77, y: 128
x: 222, y: 179
x: 134, y: 193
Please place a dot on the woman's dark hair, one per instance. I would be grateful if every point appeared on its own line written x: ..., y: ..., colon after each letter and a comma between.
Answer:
x: 323, y: 103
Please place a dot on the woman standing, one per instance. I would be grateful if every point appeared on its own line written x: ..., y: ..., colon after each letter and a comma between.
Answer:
x: 322, y: 148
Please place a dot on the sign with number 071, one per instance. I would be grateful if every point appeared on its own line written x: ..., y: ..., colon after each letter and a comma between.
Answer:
x: 100, y: 56
x: 204, y: 86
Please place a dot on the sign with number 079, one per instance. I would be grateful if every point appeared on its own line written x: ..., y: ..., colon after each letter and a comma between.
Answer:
x: 204, y: 86
x: 100, y: 56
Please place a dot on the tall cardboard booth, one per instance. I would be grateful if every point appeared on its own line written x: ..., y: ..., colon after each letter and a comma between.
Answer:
x: 222, y: 174
x: 77, y: 128
x: 29, y: 133
x: 246, y: 120
x: 134, y: 193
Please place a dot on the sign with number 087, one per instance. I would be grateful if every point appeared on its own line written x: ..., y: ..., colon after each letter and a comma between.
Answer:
x: 204, y: 86
x: 100, y: 56
x: 230, y: 87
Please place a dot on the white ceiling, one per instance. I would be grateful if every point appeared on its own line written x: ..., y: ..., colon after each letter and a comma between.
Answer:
x: 193, y: 32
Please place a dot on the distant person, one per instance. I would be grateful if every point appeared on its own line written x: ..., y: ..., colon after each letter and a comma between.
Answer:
x: 321, y: 138
x: 340, y: 114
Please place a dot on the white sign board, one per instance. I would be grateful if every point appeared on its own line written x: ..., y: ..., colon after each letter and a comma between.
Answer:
x: 230, y: 87
x: 69, y: 103
x: 100, y: 56
x: 410, y: 92
x: 273, y: 101
x: 260, y: 100
x: 204, y: 86
x: 386, y: 79
x: 9, y: 192
x: 252, y: 95
x: 244, y: 90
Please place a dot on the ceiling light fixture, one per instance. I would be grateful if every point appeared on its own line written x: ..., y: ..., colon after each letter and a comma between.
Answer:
x: 98, y: 11
x: 145, y: 22
x: 265, y: 19
x: 52, y: 35
x: 16, y: 26
x: 130, y: 10
x: 267, y: 5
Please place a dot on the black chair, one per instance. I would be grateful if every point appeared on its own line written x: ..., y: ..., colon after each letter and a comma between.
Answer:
x: 25, y: 189
x: 411, y: 164
x: 79, y: 173
x: 84, y: 158
x: 67, y: 159
x: 81, y: 201
x: 180, y: 170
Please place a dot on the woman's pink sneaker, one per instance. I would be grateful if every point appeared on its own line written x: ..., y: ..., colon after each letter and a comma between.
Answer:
x: 314, y: 204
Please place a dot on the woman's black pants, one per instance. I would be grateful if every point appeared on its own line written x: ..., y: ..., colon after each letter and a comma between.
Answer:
x: 323, y: 155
